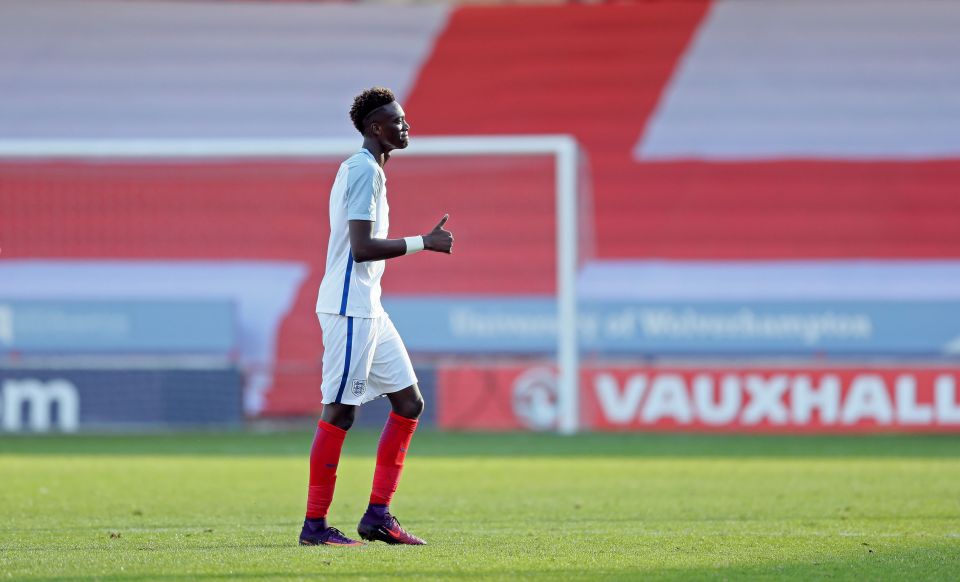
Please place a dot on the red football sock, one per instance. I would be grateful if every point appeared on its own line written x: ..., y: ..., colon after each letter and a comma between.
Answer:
x: 324, y: 457
x: 391, y: 452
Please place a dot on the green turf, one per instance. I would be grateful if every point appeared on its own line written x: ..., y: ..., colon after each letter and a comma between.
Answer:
x: 228, y: 506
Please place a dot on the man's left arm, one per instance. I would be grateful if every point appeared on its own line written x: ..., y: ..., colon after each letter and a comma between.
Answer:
x: 364, y: 247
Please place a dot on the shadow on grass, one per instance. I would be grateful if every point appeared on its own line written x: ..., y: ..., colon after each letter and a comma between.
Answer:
x: 438, y: 444
x: 936, y: 561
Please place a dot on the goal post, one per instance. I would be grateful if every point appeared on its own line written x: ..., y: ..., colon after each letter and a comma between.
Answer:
x: 563, y: 148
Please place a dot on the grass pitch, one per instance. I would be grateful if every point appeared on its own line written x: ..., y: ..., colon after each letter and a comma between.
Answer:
x: 229, y: 506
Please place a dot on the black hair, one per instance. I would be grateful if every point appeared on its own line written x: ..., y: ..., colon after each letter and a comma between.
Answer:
x: 366, y: 102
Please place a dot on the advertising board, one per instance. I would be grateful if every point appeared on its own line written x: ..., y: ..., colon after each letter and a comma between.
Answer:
x: 735, y: 398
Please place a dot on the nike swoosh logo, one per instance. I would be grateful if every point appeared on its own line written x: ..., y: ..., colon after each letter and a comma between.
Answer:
x: 394, y: 534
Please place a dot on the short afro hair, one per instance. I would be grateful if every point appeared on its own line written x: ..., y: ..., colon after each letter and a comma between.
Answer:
x: 366, y: 102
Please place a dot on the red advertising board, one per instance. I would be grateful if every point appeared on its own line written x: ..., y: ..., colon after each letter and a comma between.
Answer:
x: 734, y: 399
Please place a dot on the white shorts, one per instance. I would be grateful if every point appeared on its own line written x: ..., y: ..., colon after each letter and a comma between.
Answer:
x: 363, y: 358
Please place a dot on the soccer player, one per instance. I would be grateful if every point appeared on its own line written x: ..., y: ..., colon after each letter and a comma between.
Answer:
x: 364, y: 357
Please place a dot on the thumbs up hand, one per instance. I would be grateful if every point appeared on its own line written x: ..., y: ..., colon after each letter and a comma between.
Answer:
x: 439, y: 239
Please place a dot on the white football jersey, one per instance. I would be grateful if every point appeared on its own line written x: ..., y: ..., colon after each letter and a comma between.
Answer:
x: 359, y: 193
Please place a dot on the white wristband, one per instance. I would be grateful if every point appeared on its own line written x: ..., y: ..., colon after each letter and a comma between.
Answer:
x: 414, y: 244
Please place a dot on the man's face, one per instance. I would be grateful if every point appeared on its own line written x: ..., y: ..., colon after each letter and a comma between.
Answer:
x: 393, y: 126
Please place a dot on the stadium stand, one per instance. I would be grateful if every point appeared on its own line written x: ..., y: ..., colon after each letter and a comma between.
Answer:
x: 603, y: 87
x: 635, y: 83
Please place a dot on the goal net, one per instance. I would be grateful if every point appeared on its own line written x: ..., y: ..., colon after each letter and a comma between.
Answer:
x: 247, y: 220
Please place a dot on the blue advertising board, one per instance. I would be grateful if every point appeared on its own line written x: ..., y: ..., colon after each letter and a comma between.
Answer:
x: 143, y: 326
x: 67, y: 400
x: 529, y: 325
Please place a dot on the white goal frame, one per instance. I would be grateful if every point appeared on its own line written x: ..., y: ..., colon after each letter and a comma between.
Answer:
x: 563, y: 148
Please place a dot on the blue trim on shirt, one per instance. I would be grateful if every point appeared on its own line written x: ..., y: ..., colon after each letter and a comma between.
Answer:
x: 346, y: 284
x: 346, y: 363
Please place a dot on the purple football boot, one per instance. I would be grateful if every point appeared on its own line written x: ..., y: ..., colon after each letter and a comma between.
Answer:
x: 316, y: 533
x: 378, y: 524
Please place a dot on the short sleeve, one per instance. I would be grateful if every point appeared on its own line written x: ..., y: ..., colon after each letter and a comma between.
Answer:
x: 364, y: 187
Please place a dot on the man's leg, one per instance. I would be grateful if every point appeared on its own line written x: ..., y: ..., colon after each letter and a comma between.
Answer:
x: 394, y: 441
x: 377, y: 523
x: 335, y: 421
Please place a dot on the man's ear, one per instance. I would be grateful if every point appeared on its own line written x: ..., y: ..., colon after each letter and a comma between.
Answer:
x: 375, y: 128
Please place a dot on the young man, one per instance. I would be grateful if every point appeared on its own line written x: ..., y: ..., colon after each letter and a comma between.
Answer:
x: 364, y: 357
